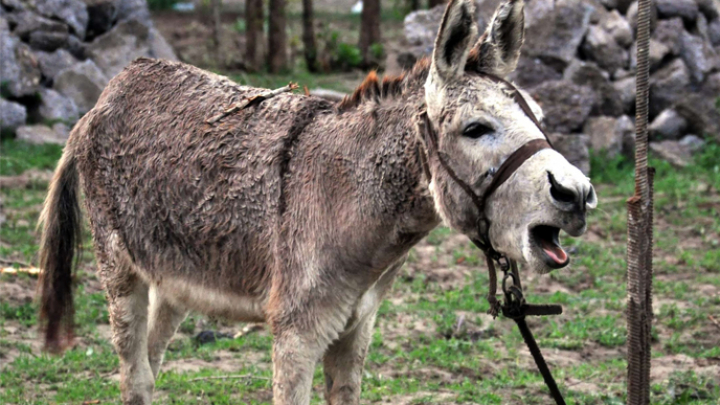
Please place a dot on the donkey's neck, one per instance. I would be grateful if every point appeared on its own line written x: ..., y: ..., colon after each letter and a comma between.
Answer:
x: 385, y: 130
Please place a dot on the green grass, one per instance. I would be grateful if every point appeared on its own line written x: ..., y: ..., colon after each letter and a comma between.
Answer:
x: 17, y: 157
x: 419, y: 352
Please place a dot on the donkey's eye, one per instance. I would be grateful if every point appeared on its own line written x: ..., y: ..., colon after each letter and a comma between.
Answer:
x: 475, y: 130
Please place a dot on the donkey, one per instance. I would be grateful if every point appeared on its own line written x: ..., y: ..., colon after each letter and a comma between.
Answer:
x: 296, y: 211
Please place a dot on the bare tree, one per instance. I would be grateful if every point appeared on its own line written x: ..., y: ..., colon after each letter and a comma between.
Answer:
x: 369, y: 29
x: 433, y: 3
x: 217, y: 29
x: 277, y: 37
x: 309, y: 36
x: 413, y: 5
x: 253, y: 33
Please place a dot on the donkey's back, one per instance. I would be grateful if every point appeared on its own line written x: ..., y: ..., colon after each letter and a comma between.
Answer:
x: 186, y: 200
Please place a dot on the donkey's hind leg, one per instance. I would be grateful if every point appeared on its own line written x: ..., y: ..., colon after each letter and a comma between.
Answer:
x: 165, y: 318
x: 128, y: 296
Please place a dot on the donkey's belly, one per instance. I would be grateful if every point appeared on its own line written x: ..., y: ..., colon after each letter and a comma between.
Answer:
x: 210, y: 301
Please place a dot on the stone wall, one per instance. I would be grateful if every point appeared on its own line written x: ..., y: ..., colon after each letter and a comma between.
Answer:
x: 579, y: 61
x: 56, y: 56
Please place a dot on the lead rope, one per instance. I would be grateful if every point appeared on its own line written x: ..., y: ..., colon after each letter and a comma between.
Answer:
x: 515, y: 308
x: 514, y: 305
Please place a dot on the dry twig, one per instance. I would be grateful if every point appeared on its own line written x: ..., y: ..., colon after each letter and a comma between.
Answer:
x: 714, y: 321
x: 252, y: 101
x: 230, y: 377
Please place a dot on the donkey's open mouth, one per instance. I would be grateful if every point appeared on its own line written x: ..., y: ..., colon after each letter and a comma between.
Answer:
x: 546, y: 238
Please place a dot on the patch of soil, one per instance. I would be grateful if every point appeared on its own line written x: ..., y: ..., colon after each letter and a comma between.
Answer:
x: 17, y: 290
x: 663, y: 367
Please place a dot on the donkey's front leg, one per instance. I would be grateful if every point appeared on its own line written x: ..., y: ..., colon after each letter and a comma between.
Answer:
x: 303, y: 328
x: 344, y: 360
x: 294, y: 358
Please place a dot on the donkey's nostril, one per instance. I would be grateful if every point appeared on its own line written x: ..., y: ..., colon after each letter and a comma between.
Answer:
x: 561, y: 193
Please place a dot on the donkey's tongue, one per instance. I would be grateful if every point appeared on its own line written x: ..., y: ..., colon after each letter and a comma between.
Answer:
x: 554, y: 251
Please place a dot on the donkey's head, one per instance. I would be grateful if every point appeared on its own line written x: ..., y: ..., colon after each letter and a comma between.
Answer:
x: 479, y: 124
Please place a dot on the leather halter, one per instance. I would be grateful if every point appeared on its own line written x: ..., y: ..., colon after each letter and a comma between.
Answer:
x: 508, y: 167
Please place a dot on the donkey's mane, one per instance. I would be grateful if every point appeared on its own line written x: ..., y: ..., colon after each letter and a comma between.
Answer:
x: 373, y: 89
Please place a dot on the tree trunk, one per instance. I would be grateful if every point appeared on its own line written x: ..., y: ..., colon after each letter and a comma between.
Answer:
x: 414, y: 5
x: 217, y: 30
x: 277, y: 37
x: 369, y: 29
x: 433, y: 3
x: 253, y: 33
x: 309, y: 36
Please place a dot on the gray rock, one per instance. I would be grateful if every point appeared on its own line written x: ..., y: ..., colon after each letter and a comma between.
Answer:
x: 710, y: 8
x: 421, y: 27
x: 632, y: 13
x: 626, y: 89
x: 556, y: 33
x: 27, y: 22
x: 18, y: 66
x: 52, y: 63
x: 4, y: 26
x: 693, y: 142
x: 61, y: 129
x: 159, y: 47
x: 600, y: 47
x: 618, y: 28
x: 575, y: 149
x: 76, y: 47
x: 698, y: 55
x: 56, y: 107
x: 702, y: 28
x: 701, y: 114
x: 73, y: 12
x: 102, y: 15
x: 608, y: 101
x: 668, y: 33
x: 621, y: 74
x: 532, y: 71
x: 565, y: 105
x: 668, y: 85
x: 672, y: 152
x: 129, y: 40
x: 667, y: 125
x: 623, y: 5
x: 658, y: 52
x: 712, y: 84
x: 134, y: 10
x: 39, y: 134
x: 714, y: 32
x: 687, y: 9
x: 12, y: 115
x: 48, y: 41
x: 626, y: 126
x: 83, y: 83
x: 13, y: 5
x: 604, y: 134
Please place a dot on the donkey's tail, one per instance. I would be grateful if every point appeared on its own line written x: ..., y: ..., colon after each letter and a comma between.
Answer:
x: 61, y: 235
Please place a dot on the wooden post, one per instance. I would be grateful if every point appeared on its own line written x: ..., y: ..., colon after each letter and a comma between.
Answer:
x: 640, y: 230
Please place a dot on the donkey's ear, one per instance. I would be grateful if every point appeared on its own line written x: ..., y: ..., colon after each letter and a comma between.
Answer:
x: 498, y: 49
x: 455, y: 38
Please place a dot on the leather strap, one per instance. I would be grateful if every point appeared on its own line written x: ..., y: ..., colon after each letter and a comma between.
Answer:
x: 514, y: 161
